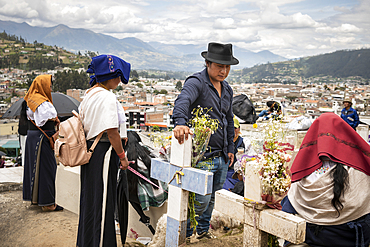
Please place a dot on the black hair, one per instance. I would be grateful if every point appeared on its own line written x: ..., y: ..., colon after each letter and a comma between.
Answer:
x: 136, y: 151
x: 273, y: 106
x: 207, y: 61
x: 340, y: 180
x: 23, y: 122
x: 270, y: 103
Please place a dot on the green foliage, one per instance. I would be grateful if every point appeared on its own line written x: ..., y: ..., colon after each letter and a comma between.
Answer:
x: 191, y: 210
x: 178, y: 86
x: 272, y: 241
x: 30, y: 78
x: 8, y: 100
x: 343, y: 63
x: 291, y: 98
x: 139, y: 85
x: 40, y: 62
x: 156, y: 128
x: 71, y: 79
x: 133, y: 74
x: 163, y: 91
x: 36, y: 59
x: 11, y: 37
x: 3, y: 150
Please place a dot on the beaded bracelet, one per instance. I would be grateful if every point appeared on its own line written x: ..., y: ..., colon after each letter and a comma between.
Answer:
x: 122, y: 155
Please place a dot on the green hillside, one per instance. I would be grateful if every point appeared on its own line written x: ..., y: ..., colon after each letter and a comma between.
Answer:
x: 15, y: 52
x: 339, y: 64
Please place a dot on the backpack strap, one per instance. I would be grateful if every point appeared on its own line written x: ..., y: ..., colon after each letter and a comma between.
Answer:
x: 91, y: 149
x: 50, y: 139
x: 81, y: 106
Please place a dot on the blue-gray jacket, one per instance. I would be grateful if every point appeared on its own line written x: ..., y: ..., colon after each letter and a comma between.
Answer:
x: 351, y: 117
x: 198, y: 90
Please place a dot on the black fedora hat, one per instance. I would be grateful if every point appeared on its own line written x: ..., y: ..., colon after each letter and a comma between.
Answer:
x: 220, y: 53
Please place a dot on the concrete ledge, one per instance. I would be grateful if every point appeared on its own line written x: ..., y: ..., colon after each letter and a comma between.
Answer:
x: 9, y: 186
x: 230, y: 204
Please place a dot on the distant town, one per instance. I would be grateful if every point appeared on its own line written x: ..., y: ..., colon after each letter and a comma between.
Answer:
x: 149, y: 102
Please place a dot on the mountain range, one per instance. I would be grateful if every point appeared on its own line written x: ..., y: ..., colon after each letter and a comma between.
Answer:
x: 141, y: 55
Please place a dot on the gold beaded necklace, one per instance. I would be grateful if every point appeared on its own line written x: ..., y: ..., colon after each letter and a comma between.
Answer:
x: 103, y: 86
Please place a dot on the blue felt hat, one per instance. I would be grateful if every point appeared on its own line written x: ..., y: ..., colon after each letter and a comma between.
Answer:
x: 106, y: 67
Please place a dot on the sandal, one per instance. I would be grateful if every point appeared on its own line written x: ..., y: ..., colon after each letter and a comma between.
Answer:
x: 47, y: 209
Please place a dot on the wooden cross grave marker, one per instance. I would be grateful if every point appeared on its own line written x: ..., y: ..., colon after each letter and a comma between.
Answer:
x: 193, y: 180
x: 259, y: 220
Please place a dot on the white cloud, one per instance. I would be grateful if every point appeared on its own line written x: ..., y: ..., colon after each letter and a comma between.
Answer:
x: 17, y: 9
x: 224, y: 23
x: 342, y: 29
x: 281, y: 26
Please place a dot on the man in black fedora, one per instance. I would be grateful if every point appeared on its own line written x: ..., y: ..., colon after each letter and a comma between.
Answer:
x: 208, y: 89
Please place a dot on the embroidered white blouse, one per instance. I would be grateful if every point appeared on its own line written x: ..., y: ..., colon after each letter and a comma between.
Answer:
x: 43, y: 113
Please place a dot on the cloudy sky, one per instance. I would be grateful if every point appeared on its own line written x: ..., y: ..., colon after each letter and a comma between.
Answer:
x: 290, y: 28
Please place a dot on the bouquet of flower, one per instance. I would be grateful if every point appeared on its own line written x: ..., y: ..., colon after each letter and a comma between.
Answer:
x: 162, y: 140
x: 271, y: 164
x: 203, y: 127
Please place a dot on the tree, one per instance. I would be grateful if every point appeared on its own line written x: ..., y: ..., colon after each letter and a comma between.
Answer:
x: 30, y: 78
x: 133, y: 74
x: 163, y: 91
x: 70, y: 80
x: 139, y: 85
x: 178, y: 86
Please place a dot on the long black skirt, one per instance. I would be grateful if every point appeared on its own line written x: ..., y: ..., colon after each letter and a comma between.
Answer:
x: 98, y: 195
x: 39, y: 169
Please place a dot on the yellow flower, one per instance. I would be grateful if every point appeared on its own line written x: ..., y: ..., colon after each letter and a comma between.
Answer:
x: 255, y: 125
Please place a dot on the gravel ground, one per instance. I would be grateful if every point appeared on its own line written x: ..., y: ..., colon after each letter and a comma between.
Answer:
x: 25, y: 225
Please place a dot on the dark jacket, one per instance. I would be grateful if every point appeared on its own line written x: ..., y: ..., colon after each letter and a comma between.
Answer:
x: 199, y: 91
x: 351, y: 117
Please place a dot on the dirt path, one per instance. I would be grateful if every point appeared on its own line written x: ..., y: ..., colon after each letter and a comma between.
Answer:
x: 25, y: 225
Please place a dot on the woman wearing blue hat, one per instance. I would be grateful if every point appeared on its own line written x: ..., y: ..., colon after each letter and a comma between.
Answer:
x: 103, y: 117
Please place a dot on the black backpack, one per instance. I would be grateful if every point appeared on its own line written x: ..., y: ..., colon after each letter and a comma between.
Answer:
x: 244, y: 109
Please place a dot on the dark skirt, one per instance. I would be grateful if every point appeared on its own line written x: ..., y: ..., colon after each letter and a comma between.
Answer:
x: 92, y: 204
x: 39, y: 169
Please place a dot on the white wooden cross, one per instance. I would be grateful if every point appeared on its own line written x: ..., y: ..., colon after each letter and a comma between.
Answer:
x: 193, y: 180
x: 259, y: 220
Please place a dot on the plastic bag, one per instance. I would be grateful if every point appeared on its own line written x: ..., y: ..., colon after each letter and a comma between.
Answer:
x: 299, y: 123
x: 244, y: 109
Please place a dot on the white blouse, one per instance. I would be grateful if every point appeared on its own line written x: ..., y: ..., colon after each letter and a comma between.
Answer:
x: 100, y: 111
x: 43, y: 113
x: 326, y: 166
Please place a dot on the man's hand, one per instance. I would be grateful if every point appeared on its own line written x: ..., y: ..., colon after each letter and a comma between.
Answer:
x: 231, y: 158
x: 179, y: 131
